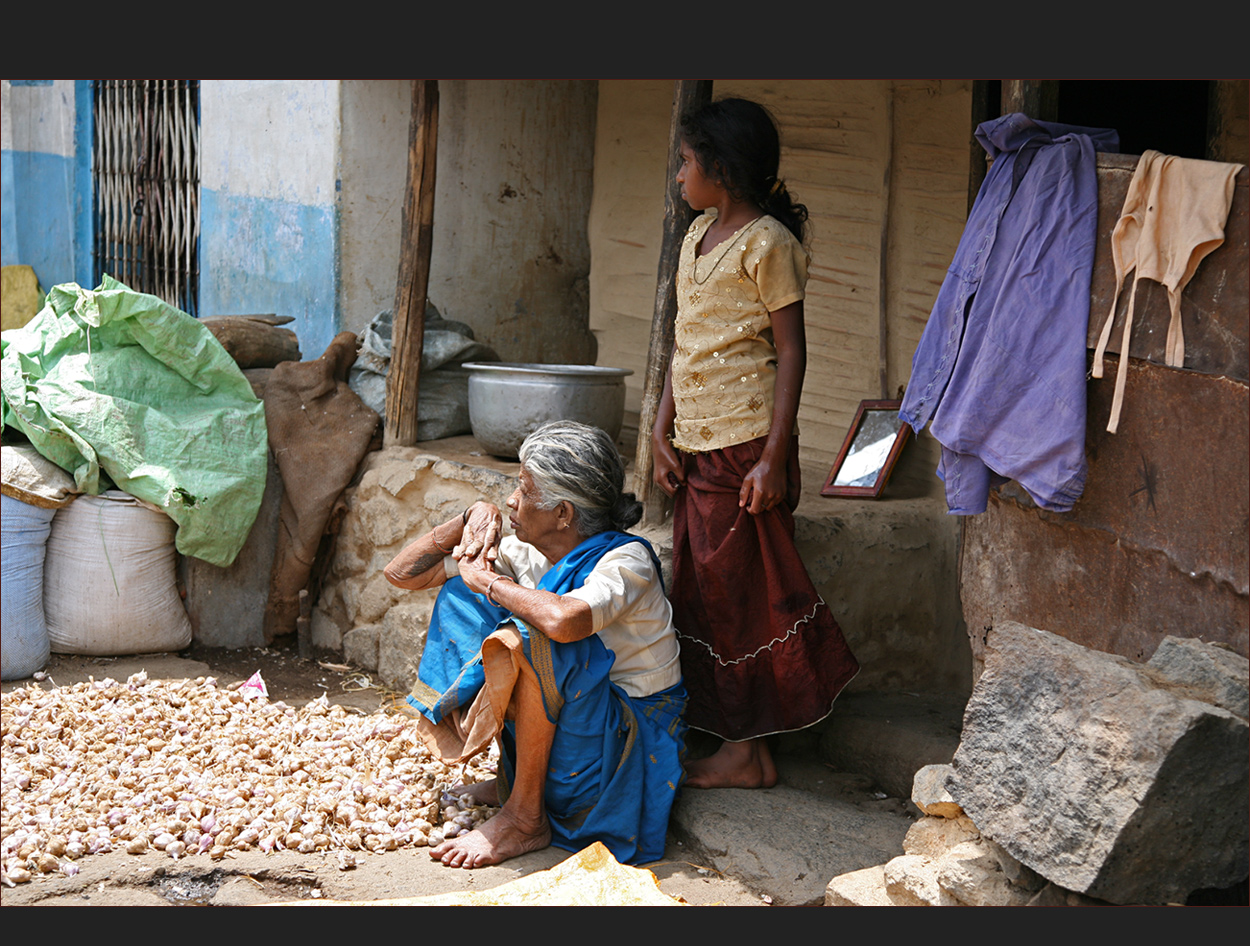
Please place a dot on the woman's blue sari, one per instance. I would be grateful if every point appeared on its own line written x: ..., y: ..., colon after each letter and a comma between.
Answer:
x: 615, y: 763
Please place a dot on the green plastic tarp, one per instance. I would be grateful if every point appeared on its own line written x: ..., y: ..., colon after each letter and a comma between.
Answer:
x: 119, y: 381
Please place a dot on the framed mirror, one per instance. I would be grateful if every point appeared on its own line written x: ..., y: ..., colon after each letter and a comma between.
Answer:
x: 868, y: 454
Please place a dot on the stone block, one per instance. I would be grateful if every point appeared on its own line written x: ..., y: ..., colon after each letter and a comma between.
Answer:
x: 374, y: 597
x: 1204, y: 671
x: 401, y: 638
x: 866, y: 888
x: 326, y: 633
x: 360, y: 646
x: 783, y: 842
x: 1086, y: 770
x: 970, y: 873
x: 911, y: 875
x: 891, y: 735
x: 1052, y: 895
x: 929, y: 794
x: 932, y: 837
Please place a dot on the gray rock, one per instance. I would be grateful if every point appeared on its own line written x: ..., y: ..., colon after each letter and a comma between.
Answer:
x: 1204, y: 672
x: 1015, y: 872
x: 928, y: 792
x: 1085, y: 770
x: 1052, y: 895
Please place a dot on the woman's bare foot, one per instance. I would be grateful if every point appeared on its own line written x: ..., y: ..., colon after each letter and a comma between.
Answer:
x: 484, y: 793
x: 497, y: 840
x: 746, y: 764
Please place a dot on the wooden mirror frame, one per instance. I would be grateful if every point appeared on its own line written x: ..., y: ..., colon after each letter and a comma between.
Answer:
x: 873, y: 491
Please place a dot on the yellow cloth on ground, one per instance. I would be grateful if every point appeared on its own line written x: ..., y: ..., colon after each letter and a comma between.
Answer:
x: 591, y: 878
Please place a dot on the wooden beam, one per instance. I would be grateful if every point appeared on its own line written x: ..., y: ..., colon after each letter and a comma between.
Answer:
x: 417, y: 235
x: 687, y: 94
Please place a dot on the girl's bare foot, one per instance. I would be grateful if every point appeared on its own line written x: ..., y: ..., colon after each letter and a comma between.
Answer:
x: 497, y: 840
x: 746, y: 764
x: 484, y: 793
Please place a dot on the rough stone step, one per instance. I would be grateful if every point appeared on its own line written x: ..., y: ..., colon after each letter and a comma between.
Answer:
x: 788, y: 842
x: 889, y: 736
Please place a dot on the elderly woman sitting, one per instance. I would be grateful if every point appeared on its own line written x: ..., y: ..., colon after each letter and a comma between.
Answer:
x: 559, y: 641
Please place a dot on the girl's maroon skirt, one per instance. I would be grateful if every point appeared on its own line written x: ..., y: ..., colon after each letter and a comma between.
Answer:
x: 761, y: 652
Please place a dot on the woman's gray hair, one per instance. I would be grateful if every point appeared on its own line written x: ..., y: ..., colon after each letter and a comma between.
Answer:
x: 580, y: 464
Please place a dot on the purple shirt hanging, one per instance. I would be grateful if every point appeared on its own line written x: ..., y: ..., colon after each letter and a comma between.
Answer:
x: 1001, y: 368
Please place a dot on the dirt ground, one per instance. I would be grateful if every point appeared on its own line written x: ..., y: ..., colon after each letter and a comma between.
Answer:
x: 152, y: 879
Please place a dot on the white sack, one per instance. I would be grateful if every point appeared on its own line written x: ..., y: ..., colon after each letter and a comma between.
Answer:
x: 109, y: 579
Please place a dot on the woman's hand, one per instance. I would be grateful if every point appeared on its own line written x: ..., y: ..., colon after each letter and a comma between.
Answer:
x: 482, y: 532
x: 477, y: 572
x: 666, y: 465
x: 763, y: 487
x: 766, y: 484
x: 670, y: 473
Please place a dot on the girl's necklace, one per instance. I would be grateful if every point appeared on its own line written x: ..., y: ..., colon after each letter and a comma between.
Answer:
x: 729, y: 244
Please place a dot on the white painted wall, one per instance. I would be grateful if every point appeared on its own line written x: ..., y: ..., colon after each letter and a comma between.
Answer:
x: 374, y: 168
x: 271, y: 138
x: 511, y: 255
x: 38, y: 117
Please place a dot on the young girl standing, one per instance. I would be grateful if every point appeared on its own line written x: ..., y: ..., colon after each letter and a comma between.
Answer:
x: 760, y: 651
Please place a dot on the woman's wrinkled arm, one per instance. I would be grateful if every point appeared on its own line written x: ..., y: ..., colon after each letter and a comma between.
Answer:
x: 420, y: 564
x: 561, y: 618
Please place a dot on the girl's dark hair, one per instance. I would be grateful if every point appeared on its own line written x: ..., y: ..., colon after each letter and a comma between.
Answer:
x: 736, y: 143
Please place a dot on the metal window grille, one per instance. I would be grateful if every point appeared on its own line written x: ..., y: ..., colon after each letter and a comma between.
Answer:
x: 146, y: 173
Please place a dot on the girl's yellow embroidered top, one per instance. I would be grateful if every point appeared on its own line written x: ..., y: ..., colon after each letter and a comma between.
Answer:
x: 724, y: 362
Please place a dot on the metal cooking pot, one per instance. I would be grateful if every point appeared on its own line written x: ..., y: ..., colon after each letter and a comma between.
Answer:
x: 509, y: 401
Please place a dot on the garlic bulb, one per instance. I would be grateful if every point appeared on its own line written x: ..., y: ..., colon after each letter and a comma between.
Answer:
x: 190, y: 768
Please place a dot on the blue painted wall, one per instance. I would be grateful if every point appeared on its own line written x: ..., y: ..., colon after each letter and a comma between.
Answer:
x: 260, y: 255
x: 270, y: 195
x: 45, y: 192
x: 40, y: 211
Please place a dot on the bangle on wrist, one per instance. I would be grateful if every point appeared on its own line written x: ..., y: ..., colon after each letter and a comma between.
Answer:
x: 489, y: 596
x: 464, y: 517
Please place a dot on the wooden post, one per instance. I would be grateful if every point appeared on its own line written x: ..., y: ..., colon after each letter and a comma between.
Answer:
x: 417, y: 237
x: 883, y: 283
x: 977, y: 167
x: 687, y: 94
x: 1037, y: 99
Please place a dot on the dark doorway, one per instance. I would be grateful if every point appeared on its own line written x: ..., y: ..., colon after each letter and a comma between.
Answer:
x: 1150, y: 115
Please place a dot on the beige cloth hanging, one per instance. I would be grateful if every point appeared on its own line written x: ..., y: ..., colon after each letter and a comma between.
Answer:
x: 1173, y: 217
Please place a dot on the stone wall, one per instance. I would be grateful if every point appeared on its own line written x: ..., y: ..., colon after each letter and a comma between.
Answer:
x: 886, y: 569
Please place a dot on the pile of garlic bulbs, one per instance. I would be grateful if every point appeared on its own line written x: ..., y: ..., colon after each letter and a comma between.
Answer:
x: 187, y: 767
